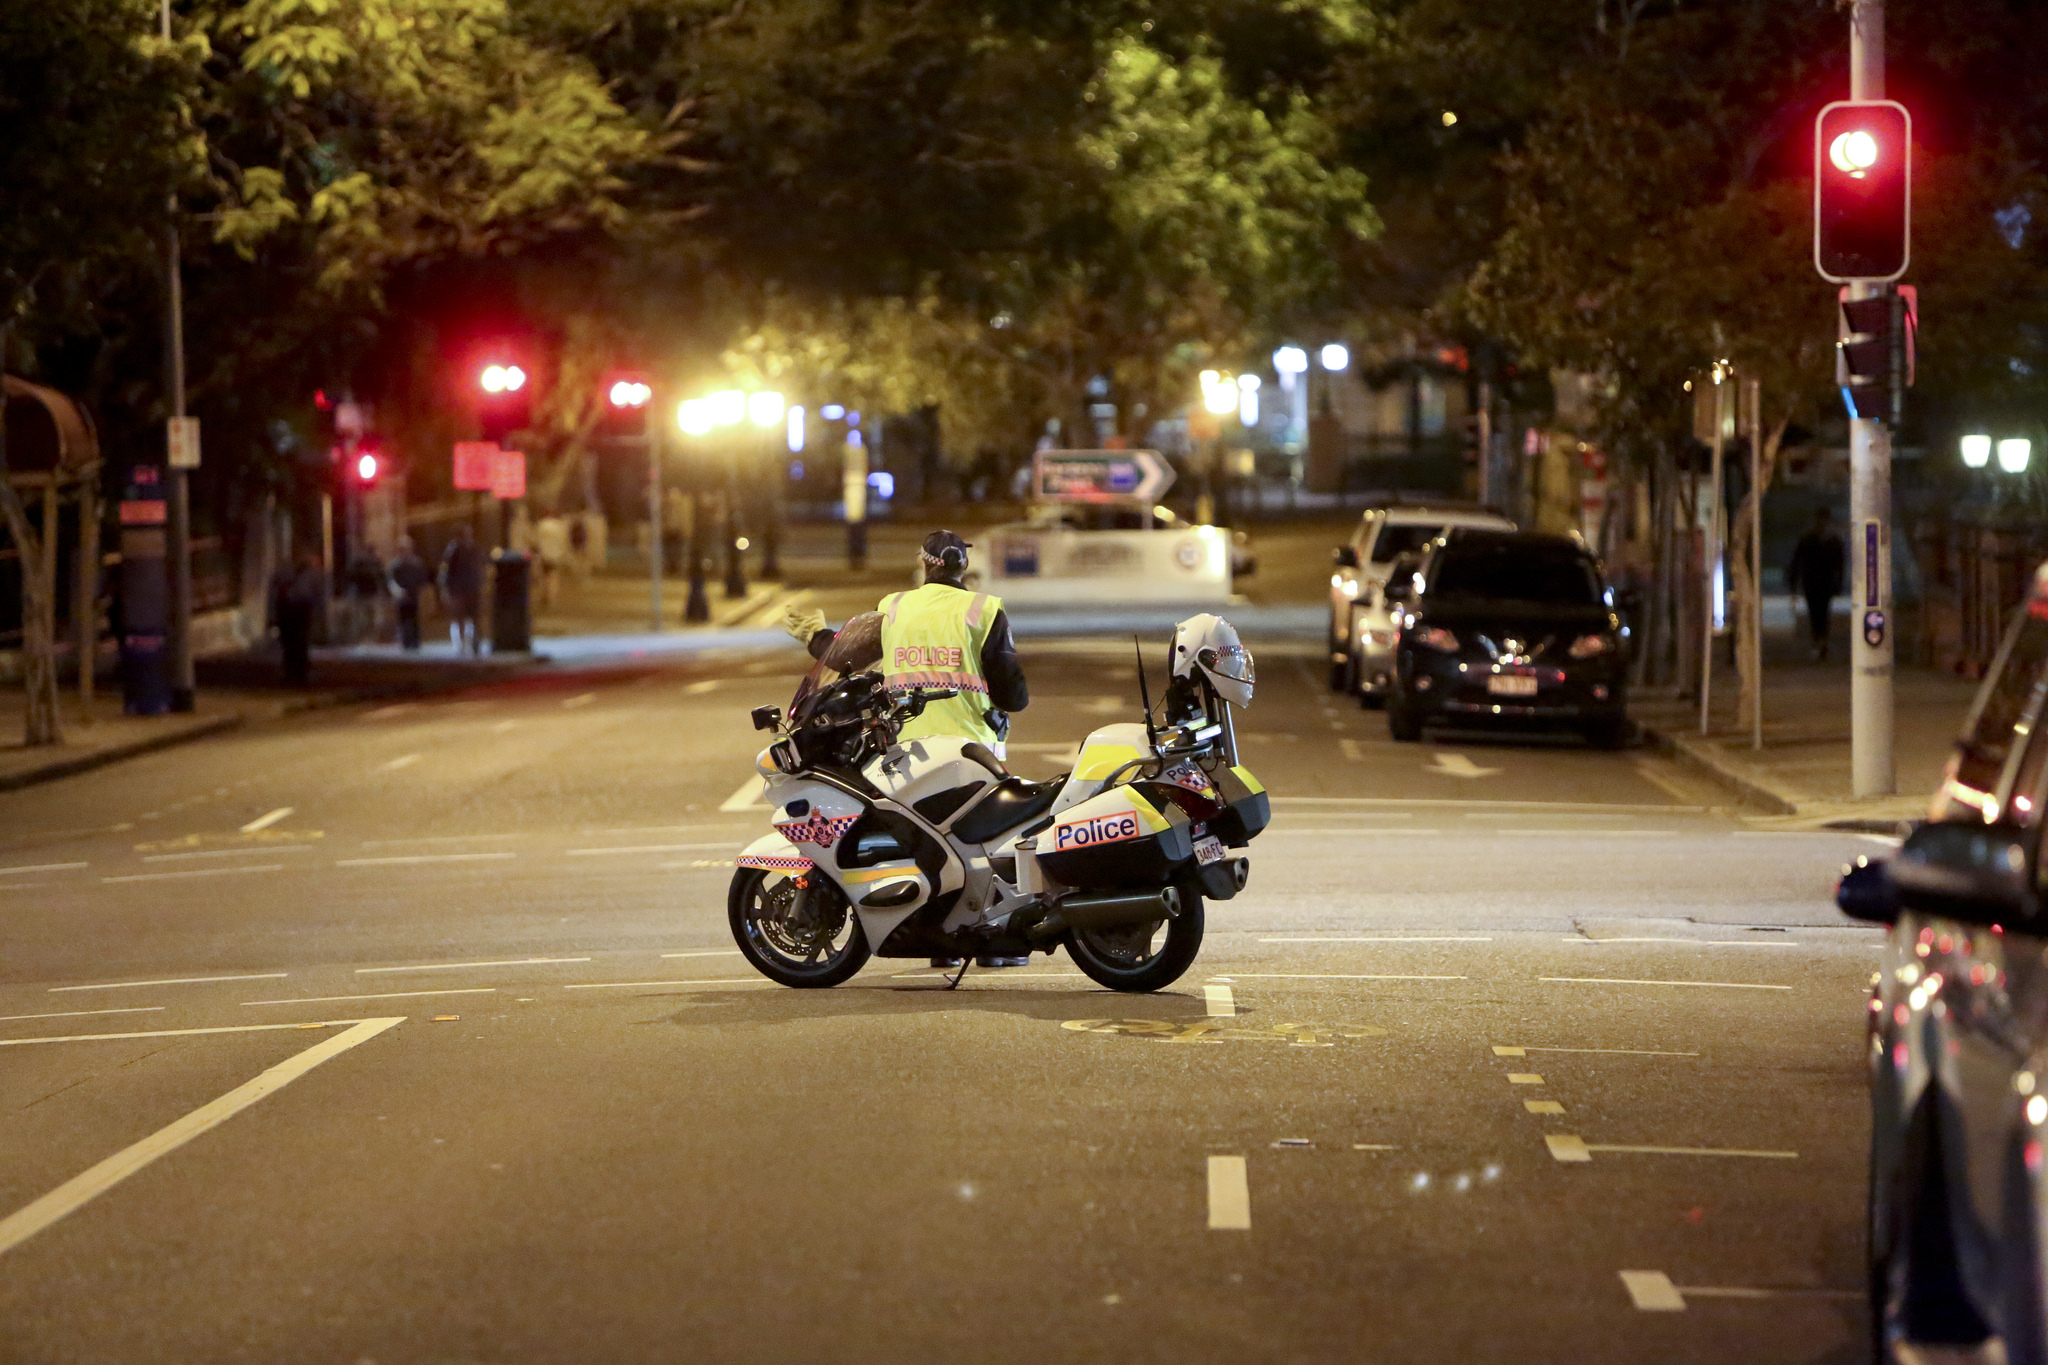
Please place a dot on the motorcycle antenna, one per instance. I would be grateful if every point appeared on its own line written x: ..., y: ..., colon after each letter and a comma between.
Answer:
x: 1145, y: 692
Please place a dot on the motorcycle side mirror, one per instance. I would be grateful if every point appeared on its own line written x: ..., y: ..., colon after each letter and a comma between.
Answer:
x: 1345, y: 557
x: 767, y: 717
x: 1865, y: 892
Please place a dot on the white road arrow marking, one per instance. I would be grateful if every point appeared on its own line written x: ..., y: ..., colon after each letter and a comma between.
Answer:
x: 748, y: 797
x: 1457, y: 765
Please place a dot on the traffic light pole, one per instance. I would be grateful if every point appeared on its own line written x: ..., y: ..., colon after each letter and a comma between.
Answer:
x: 1871, y: 766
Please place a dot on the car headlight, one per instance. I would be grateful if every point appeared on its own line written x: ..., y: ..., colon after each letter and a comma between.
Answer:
x: 1437, y: 638
x: 1591, y: 646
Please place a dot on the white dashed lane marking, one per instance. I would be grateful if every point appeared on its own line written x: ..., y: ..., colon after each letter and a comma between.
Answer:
x: 193, y: 872
x: 171, y: 981
x: 1230, y: 1195
x: 263, y: 822
x: 465, y: 966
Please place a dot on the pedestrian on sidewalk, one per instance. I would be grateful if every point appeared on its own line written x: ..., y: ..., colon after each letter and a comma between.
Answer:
x: 295, y: 595
x: 1816, y: 570
x: 462, y: 588
x: 408, y: 577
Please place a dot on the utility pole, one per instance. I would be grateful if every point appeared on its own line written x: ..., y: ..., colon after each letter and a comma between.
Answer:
x: 1710, y: 553
x: 1871, y: 766
x: 181, y: 493
x: 1754, y: 392
x: 1485, y: 434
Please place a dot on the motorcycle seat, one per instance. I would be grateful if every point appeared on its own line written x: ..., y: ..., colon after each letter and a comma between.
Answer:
x: 1012, y: 803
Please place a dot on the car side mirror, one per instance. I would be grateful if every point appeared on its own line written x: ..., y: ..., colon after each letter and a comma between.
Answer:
x: 1973, y: 873
x: 1346, y: 557
x: 1865, y: 892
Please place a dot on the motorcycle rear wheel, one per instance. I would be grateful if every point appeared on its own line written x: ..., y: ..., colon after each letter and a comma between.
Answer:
x: 796, y: 931
x: 1142, y: 957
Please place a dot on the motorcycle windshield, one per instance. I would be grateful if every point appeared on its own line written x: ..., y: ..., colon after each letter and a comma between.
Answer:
x: 855, y: 649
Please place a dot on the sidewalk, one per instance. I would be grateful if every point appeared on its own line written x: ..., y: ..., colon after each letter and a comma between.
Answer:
x: 1802, y: 770
x: 106, y: 736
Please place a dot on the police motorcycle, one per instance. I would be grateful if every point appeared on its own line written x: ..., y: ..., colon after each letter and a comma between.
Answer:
x: 930, y: 847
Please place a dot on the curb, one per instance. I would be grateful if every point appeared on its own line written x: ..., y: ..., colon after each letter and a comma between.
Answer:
x: 1740, y: 779
x: 114, y: 753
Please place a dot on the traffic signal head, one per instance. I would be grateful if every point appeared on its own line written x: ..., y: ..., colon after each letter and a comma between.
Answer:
x: 630, y: 393
x: 366, y: 467
x: 505, y: 402
x: 1862, y: 190
x: 502, y: 379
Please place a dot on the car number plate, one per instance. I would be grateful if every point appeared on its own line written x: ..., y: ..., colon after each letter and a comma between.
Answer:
x: 1511, y: 685
x: 1209, y: 850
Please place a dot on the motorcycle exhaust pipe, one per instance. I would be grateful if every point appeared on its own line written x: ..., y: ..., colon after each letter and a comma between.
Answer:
x: 1111, y: 911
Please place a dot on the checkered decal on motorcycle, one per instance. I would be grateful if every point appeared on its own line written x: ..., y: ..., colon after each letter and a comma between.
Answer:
x: 773, y: 862
x: 817, y: 829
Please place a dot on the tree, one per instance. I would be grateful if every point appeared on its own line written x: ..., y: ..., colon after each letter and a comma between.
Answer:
x: 93, y: 149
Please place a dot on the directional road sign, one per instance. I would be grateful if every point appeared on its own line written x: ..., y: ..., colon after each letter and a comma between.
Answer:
x: 1139, y: 476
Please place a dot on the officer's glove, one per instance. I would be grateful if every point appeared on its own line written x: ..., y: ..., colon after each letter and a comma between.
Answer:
x: 802, y: 624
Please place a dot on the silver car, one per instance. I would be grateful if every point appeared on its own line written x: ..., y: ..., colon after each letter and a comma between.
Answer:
x: 1958, y: 1030
x: 1361, y: 633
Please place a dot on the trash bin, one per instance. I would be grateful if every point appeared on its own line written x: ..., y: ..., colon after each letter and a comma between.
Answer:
x: 511, y: 603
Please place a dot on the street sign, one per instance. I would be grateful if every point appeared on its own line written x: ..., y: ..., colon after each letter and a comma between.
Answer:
x: 474, y: 462
x: 1138, y: 476
x: 508, y: 474
x: 183, y: 437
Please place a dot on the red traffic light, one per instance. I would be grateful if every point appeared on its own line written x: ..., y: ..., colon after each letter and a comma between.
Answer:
x: 631, y: 393
x: 367, y: 466
x: 502, y: 379
x: 1862, y: 190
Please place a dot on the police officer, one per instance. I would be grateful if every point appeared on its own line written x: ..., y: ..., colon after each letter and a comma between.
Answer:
x: 941, y: 637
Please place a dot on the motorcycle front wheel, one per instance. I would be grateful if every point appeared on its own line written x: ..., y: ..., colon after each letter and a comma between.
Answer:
x: 796, y: 930
x: 1140, y: 957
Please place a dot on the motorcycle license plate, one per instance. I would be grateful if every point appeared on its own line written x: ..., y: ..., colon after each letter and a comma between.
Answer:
x: 1209, y: 850
x: 1510, y: 685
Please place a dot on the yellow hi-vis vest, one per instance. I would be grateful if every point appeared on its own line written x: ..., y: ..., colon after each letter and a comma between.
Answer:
x: 932, y: 638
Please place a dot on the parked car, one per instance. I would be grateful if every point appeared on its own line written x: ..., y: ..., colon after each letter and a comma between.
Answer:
x: 1508, y: 627
x: 1958, y: 1035
x: 1361, y: 632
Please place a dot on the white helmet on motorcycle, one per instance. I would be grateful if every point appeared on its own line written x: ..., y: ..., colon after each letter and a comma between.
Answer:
x: 1209, y: 643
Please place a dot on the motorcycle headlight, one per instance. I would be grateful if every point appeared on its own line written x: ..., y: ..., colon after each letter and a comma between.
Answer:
x: 1437, y: 638
x: 1591, y: 646
x: 785, y: 756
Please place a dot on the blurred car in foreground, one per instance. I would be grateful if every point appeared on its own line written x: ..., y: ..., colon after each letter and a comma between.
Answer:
x: 1361, y: 632
x: 1958, y: 1037
x: 1508, y: 628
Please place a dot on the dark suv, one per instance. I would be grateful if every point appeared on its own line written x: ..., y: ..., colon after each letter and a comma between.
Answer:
x: 1509, y: 627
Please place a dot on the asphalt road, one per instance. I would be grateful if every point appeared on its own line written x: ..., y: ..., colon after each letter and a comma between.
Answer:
x: 1494, y: 1024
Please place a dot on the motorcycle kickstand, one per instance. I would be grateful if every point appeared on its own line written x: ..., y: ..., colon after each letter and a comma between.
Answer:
x: 965, y: 963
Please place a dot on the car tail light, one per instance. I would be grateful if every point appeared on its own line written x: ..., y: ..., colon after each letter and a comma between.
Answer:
x: 1437, y: 638
x: 1591, y: 646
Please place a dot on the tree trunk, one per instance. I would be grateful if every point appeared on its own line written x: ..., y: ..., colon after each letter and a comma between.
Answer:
x: 38, y: 601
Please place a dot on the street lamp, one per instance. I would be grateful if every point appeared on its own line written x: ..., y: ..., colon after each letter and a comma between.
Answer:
x: 1336, y: 357
x: 1219, y: 394
x: 2013, y: 454
x: 1976, y: 450
x: 728, y: 407
x: 1248, y: 399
